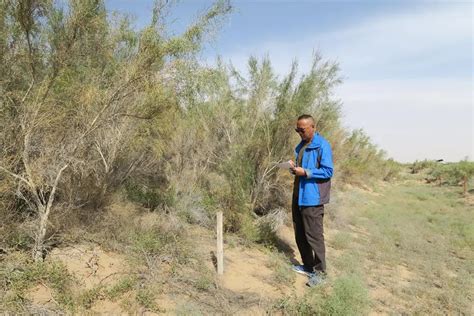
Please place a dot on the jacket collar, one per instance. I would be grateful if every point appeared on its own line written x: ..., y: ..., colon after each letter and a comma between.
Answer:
x: 315, y: 143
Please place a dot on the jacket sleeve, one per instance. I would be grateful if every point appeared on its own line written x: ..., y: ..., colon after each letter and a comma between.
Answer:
x: 326, y: 167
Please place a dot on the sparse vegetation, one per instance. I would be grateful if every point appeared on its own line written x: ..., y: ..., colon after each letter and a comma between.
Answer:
x: 348, y: 296
x: 282, y: 274
x: 124, y: 285
x: 405, y: 230
x: 18, y: 274
x: 341, y: 240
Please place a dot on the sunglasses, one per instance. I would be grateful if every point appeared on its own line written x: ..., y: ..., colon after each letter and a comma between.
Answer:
x: 299, y: 130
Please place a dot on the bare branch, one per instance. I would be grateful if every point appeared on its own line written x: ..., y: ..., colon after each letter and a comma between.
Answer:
x: 53, y: 191
x: 23, y: 197
x: 131, y: 167
x: 114, y: 97
x: 28, y: 91
x: 106, y: 166
x: 149, y: 117
x: 18, y: 177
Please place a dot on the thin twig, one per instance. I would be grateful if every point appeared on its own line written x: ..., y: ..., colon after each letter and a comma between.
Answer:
x: 102, y: 156
x: 15, y: 175
x: 51, y: 291
x: 28, y: 91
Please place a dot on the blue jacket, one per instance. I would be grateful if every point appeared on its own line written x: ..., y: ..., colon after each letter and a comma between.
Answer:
x: 314, y: 189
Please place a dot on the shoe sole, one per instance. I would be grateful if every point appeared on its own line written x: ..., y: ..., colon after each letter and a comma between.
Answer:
x: 308, y: 274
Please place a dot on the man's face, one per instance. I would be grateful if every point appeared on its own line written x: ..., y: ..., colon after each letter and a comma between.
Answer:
x: 305, y: 128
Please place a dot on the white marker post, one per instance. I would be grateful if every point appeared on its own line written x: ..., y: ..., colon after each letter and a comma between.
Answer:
x: 220, y: 245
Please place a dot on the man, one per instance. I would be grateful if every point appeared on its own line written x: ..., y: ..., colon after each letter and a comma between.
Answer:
x: 313, y: 170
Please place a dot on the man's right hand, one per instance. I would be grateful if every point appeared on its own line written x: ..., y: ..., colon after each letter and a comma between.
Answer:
x: 293, y: 166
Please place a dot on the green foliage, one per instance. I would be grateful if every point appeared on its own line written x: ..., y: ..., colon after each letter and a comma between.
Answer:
x: 418, y: 166
x: 452, y: 173
x: 361, y: 160
x: 88, y: 297
x: 460, y: 171
x: 204, y: 282
x: 91, y: 96
x: 237, y: 128
x: 347, y: 297
x: 391, y: 169
x: 54, y: 274
x: 249, y: 229
x: 261, y: 231
x: 255, y: 118
x: 160, y: 242
x: 146, y: 298
x: 282, y: 275
x: 16, y: 237
x: 266, y: 234
x: 150, y: 197
x: 152, y: 241
x: 18, y: 275
x: 192, y: 38
x: 121, y: 287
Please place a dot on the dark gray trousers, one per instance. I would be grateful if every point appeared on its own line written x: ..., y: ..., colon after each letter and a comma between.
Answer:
x: 309, y: 234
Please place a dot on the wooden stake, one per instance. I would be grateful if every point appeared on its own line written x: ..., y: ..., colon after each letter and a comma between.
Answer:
x: 220, y: 245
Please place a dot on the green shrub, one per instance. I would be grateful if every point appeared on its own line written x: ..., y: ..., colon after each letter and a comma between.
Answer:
x: 20, y: 275
x: 282, y: 273
x: 148, y: 245
x: 452, y: 173
x: 418, y: 166
x: 146, y: 297
x: 122, y: 286
x: 204, y: 282
x: 391, y: 170
x: 249, y: 230
x: 348, y: 296
x: 89, y: 297
x: 358, y: 160
x: 150, y: 196
x: 16, y: 237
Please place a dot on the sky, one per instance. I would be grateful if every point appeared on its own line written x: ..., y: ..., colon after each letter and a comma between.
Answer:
x: 407, y: 66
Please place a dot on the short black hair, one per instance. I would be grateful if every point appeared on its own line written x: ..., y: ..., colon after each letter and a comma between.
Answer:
x: 306, y: 117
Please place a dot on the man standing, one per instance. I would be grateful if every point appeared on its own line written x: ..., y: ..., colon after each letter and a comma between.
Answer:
x: 313, y: 170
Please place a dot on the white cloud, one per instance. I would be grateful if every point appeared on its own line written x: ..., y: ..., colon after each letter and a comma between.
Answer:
x: 402, y: 37
x: 418, y: 37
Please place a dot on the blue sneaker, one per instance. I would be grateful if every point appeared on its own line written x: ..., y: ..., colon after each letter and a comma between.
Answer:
x: 317, y: 278
x: 299, y: 268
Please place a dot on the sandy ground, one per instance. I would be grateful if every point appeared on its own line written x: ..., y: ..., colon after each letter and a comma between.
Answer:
x: 247, y: 271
